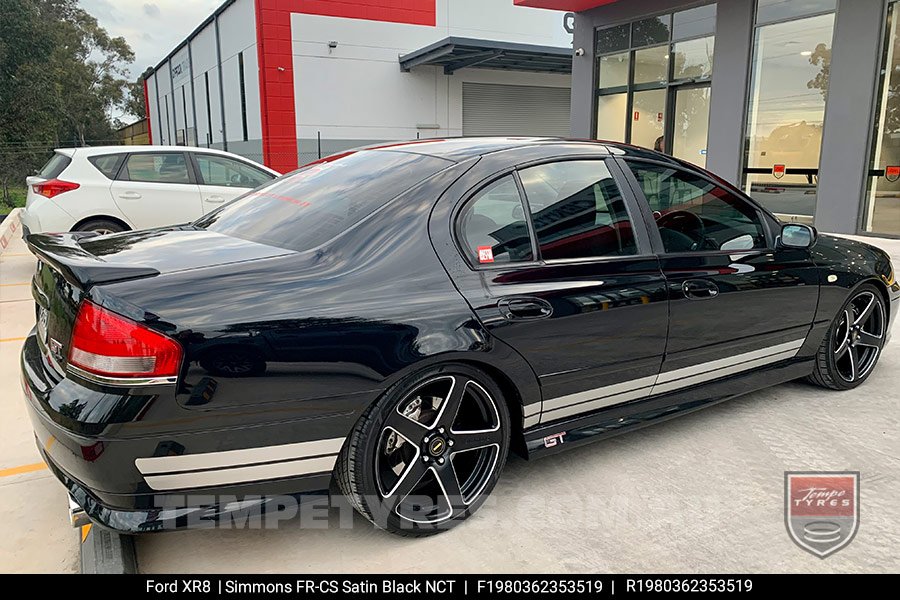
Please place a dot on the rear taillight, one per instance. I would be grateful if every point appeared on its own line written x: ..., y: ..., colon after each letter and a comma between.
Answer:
x: 54, y: 187
x: 108, y: 344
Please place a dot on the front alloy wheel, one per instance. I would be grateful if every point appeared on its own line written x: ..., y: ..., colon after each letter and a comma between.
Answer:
x: 431, y: 450
x: 854, y: 342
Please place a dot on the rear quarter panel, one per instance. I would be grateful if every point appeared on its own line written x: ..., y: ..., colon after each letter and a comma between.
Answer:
x: 334, y: 327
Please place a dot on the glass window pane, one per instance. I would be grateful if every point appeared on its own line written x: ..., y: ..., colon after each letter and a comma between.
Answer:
x: 157, y: 168
x: 694, y: 214
x: 222, y: 171
x: 612, y: 39
x: 651, y: 65
x: 694, y: 22
x: 108, y: 164
x: 654, y: 30
x: 776, y: 10
x: 577, y: 210
x: 883, y: 208
x: 611, y: 117
x: 787, y: 110
x: 648, y: 118
x: 311, y: 206
x: 691, y: 124
x: 493, y: 225
x: 694, y: 58
x: 613, y: 70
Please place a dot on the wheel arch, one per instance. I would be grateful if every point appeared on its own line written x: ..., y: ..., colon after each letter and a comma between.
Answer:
x: 86, y: 220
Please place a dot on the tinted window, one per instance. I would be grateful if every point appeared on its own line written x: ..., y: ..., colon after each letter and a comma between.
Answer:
x: 694, y: 214
x: 493, y: 225
x: 612, y: 39
x: 654, y: 30
x: 219, y: 170
x: 694, y: 22
x: 577, y: 210
x: 157, y: 168
x: 776, y: 10
x: 107, y: 164
x: 55, y: 166
x: 311, y: 206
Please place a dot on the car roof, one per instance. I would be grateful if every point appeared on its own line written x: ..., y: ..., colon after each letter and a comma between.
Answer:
x: 100, y: 150
x: 462, y: 148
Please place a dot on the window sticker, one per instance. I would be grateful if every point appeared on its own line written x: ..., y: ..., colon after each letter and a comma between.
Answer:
x: 485, y: 254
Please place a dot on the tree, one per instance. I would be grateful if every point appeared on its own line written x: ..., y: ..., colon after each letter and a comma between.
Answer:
x: 61, y: 74
x: 821, y: 57
x: 135, y: 103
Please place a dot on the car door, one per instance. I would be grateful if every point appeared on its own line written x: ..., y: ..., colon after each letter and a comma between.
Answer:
x: 155, y: 189
x: 560, y: 272
x: 736, y: 302
x: 223, y: 179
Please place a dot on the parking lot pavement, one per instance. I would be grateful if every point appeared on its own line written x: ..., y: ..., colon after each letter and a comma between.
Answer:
x: 701, y: 493
x: 36, y: 536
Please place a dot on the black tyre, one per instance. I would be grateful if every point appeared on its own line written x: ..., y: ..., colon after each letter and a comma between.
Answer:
x: 101, y: 226
x: 425, y: 456
x: 853, y: 344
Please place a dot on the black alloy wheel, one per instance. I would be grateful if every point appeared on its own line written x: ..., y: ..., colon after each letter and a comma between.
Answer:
x: 428, y: 453
x: 854, y: 342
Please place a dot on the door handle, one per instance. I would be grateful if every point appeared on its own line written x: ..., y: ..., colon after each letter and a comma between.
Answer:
x: 524, y: 308
x: 130, y: 196
x: 215, y: 199
x: 699, y: 289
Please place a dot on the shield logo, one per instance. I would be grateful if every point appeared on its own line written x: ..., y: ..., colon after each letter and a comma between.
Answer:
x: 892, y: 174
x: 778, y: 171
x: 821, y: 509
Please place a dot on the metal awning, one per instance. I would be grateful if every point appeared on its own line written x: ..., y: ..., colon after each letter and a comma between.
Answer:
x: 455, y: 53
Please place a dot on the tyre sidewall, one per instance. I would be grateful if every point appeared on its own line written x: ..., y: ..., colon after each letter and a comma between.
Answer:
x: 831, y: 363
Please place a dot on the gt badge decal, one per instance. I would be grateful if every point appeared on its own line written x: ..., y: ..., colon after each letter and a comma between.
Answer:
x: 554, y: 440
x: 485, y: 254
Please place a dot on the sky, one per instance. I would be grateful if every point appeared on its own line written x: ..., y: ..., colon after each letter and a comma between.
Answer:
x: 152, y: 27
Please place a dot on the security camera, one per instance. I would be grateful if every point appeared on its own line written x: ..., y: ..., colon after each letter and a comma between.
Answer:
x: 579, y: 52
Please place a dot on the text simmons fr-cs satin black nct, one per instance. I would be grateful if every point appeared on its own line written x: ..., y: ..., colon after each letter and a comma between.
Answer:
x: 398, y: 319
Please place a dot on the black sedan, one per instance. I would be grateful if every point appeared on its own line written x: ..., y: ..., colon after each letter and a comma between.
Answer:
x: 397, y: 319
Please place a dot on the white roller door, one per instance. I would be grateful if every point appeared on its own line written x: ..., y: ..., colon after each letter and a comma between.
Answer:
x: 494, y: 109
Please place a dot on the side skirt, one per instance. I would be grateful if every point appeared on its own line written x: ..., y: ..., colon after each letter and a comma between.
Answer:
x: 621, y: 418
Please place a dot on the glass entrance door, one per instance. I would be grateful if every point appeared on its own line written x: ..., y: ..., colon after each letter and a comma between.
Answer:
x: 690, y: 123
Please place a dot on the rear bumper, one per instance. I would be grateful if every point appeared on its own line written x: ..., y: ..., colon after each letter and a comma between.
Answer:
x: 42, y: 215
x: 97, y: 461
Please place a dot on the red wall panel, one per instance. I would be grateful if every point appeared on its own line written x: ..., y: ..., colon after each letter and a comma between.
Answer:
x: 147, y: 110
x: 276, y: 64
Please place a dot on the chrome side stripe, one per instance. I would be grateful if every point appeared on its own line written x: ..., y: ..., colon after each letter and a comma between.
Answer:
x: 609, y: 390
x: 575, y: 409
x: 721, y: 372
x: 727, y: 362
x: 667, y: 381
x: 195, y: 479
x: 234, y: 458
x: 239, y: 466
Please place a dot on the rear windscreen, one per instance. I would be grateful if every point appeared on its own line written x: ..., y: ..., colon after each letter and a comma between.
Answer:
x: 55, y: 166
x: 313, y: 205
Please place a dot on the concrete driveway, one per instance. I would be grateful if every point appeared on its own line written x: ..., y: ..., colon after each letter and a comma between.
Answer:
x: 702, y: 493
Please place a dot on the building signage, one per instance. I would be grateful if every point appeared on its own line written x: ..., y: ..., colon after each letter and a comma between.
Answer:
x: 778, y: 171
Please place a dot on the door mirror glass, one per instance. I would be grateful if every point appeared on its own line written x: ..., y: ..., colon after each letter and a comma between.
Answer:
x: 795, y: 235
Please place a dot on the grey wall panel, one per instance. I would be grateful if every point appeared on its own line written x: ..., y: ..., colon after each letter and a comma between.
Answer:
x: 846, y: 135
x: 730, y: 82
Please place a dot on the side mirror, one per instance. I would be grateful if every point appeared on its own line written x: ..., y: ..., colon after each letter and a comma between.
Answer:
x: 796, y: 235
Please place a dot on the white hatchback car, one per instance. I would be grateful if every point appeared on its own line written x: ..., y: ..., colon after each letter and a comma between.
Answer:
x: 117, y: 188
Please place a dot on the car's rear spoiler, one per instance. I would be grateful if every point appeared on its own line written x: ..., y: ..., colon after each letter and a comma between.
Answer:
x: 79, y: 267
